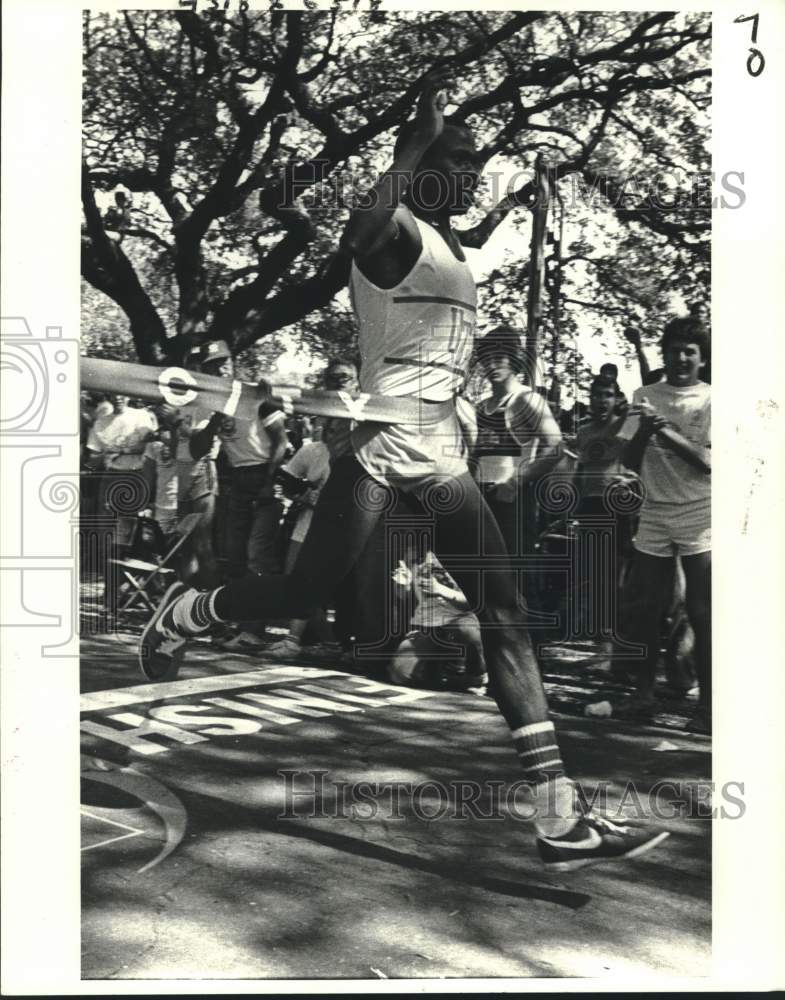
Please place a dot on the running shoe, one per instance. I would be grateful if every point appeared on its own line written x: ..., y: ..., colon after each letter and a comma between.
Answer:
x: 595, y: 839
x: 162, y: 647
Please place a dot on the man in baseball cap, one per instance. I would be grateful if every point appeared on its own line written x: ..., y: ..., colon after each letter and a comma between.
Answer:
x: 213, y: 356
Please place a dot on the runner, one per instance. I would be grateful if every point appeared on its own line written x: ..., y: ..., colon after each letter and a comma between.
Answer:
x: 415, y: 301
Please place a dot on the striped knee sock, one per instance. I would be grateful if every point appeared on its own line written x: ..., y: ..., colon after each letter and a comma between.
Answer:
x: 539, y: 752
x: 553, y: 794
x: 194, y: 612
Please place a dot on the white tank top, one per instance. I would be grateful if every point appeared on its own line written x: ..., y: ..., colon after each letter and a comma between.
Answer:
x: 416, y: 339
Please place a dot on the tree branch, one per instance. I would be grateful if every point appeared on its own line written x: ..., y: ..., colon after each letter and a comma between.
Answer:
x: 651, y: 216
x: 548, y: 73
x: 310, y: 75
x: 478, y: 235
x: 144, y: 48
x: 144, y: 233
x: 232, y: 313
x: 597, y: 307
x: 293, y: 303
x: 318, y: 116
x: 108, y: 269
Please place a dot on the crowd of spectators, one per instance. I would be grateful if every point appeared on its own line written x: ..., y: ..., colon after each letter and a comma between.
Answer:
x: 255, y: 484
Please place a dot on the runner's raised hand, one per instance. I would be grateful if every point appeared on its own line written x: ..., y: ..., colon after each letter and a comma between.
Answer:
x: 431, y: 105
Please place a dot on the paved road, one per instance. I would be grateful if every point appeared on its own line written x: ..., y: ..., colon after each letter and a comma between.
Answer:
x: 199, y: 861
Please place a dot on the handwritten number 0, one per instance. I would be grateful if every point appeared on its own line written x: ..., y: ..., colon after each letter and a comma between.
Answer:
x: 755, y: 54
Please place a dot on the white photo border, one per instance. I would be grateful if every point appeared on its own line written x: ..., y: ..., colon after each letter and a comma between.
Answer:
x: 40, y: 288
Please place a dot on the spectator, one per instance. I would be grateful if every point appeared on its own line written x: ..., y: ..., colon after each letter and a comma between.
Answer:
x: 116, y: 444
x: 443, y: 648
x: 102, y: 405
x: 302, y: 478
x: 700, y: 312
x: 92, y: 405
x: 311, y: 466
x: 670, y: 443
x: 599, y: 444
x: 197, y: 479
x: 341, y: 375
x: 518, y: 441
x: 87, y: 415
x: 255, y: 448
x: 610, y: 371
x: 160, y: 470
x: 600, y: 447
x: 88, y: 483
x: 299, y: 430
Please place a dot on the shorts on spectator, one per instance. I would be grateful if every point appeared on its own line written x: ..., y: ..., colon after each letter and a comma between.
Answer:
x: 167, y: 519
x: 674, y: 529
x: 196, y: 480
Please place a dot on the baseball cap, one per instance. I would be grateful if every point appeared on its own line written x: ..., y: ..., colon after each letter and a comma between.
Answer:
x: 216, y: 350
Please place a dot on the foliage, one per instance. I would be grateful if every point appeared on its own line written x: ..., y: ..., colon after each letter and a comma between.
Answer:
x: 221, y: 151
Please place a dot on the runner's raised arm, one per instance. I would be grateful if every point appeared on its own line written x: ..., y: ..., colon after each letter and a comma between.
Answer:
x: 372, y: 225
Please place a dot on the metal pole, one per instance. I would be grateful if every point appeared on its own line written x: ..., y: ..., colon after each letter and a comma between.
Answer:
x: 537, y: 262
